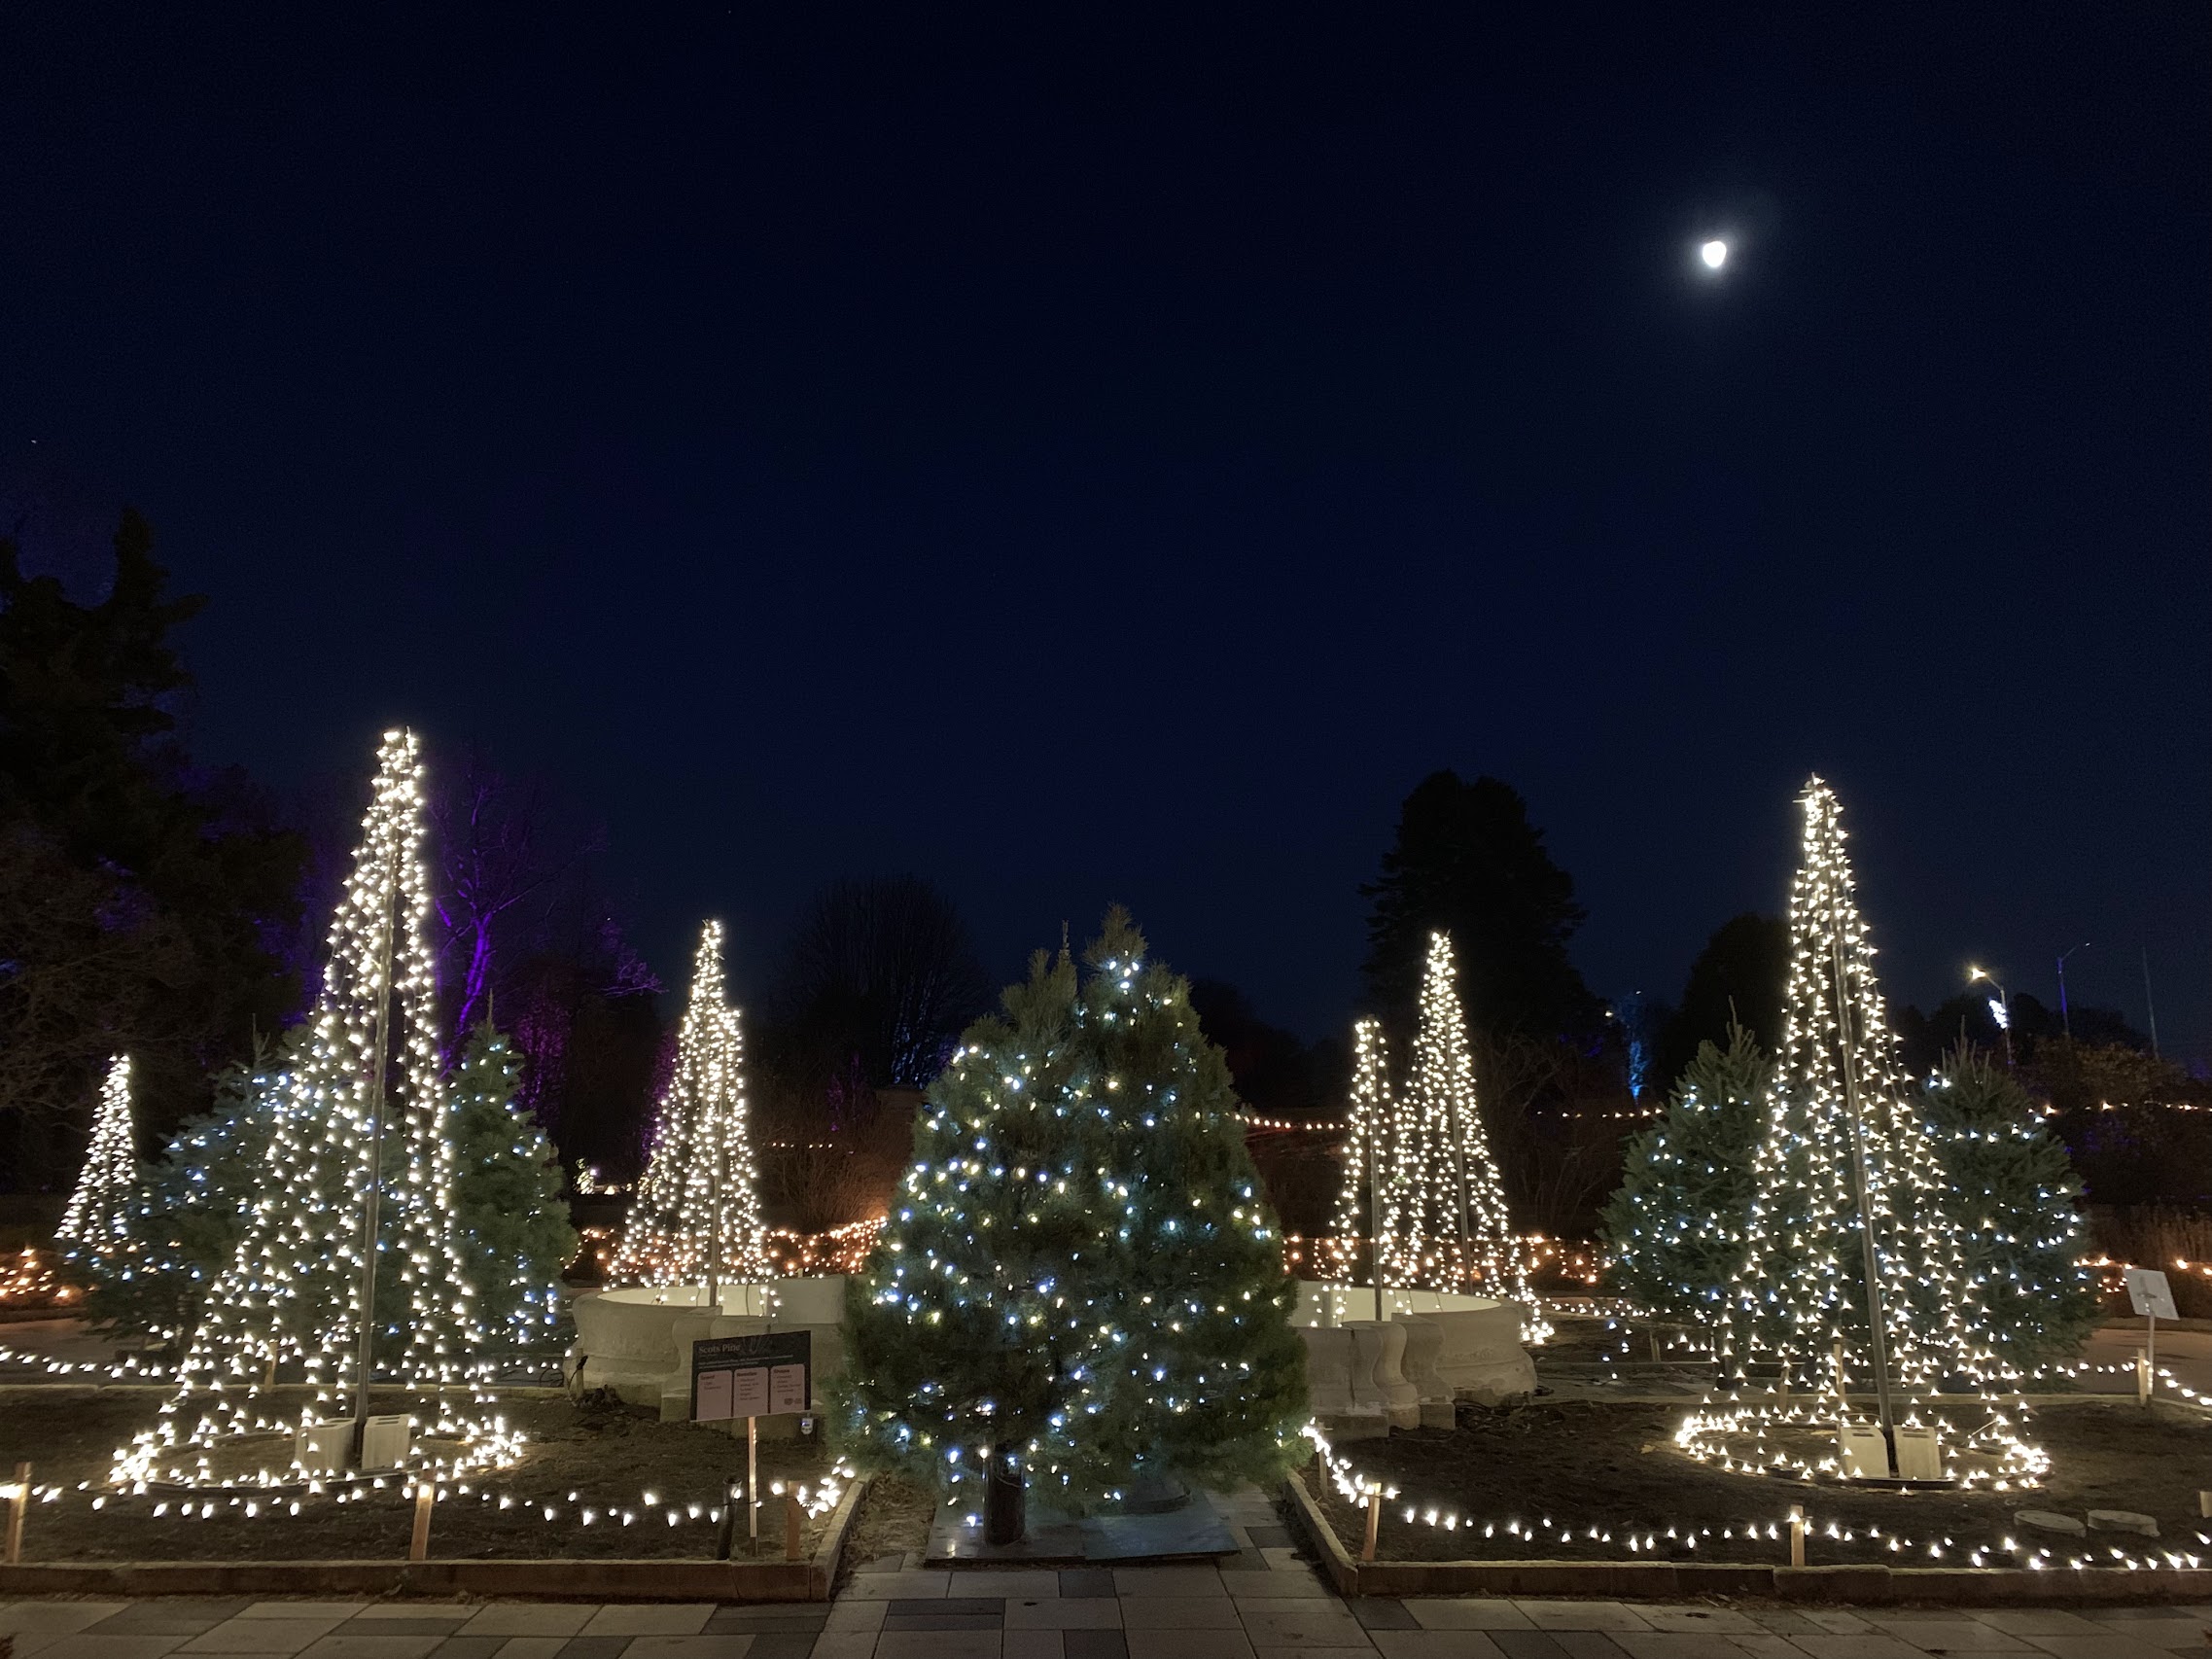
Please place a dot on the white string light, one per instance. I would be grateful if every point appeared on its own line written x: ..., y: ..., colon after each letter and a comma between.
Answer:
x: 96, y: 1228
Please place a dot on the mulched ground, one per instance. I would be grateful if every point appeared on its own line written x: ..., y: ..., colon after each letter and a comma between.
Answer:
x: 1613, y: 1468
x: 893, y: 1518
x: 597, y: 1455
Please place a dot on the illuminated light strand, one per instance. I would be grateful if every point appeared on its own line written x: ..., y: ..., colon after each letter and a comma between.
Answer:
x: 1799, y: 1296
x: 1649, y: 1538
x: 292, y: 1293
x: 96, y: 1228
x: 696, y: 1216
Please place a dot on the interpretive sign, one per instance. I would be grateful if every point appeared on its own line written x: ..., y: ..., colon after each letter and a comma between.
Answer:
x: 767, y: 1375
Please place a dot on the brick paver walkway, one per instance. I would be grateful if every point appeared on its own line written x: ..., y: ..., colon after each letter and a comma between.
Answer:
x: 1177, y: 1612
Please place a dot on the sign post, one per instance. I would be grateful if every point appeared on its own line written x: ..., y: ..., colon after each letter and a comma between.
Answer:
x: 2149, y: 1295
x: 768, y: 1375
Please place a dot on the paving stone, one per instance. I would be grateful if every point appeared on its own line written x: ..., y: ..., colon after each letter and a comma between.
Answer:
x: 469, y: 1647
x: 1473, y: 1612
x: 1281, y: 1557
x: 2035, y: 1621
x: 1854, y: 1645
x: 344, y: 1646
x: 1519, y: 1643
x: 447, y: 1610
x: 1764, y: 1644
x: 2102, y: 1645
x: 1366, y: 1650
x: 590, y: 1646
x: 1582, y: 1644
x: 64, y: 1619
x: 898, y: 1586
x: 302, y: 1609
x: 1434, y: 1645
x: 1271, y: 1586
x: 1266, y: 1534
x: 944, y: 1621
x: 359, y: 1626
x: 529, y: 1619
x: 773, y: 1615
x: 171, y: 1615
x: 648, y: 1618
x: 1699, y: 1619
x: 939, y: 1645
x: 1581, y: 1615
x: 1086, y: 1581
x: 1178, y: 1612
x: 1957, y: 1636
x: 2158, y: 1626
x: 844, y: 1645
x: 74, y: 1647
x: 782, y: 1644
x: 1064, y: 1613
x: 244, y: 1635
x: 731, y: 1646
x: 534, y: 1647
x: 1002, y: 1582
x: 1098, y: 1644
x: 1302, y: 1624
x: 1676, y: 1643
x: 1381, y: 1613
x: 1030, y: 1645
x: 1184, y: 1643
x: 924, y: 1606
x: 849, y: 1617
x: 1167, y: 1581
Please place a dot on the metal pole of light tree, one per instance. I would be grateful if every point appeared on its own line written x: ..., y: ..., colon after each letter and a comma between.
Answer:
x: 379, y: 1043
x: 1870, y: 1254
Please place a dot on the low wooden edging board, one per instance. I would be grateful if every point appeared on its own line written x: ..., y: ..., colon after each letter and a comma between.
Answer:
x: 1667, y: 1580
x: 551, y: 1580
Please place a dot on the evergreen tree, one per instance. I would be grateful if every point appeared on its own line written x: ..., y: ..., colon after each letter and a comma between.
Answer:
x: 2011, y: 1195
x: 143, y: 904
x: 508, y: 1210
x: 1466, y: 862
x: 1213, y: 1378
x: 1078, y: 1275
x: 696, y: 1217
x: 189, y: 1208
x: 1675, y: 1227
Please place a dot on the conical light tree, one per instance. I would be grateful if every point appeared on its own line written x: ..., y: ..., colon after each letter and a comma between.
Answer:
x: 696, y: 1217
x: 1848, y: 1232
x: 1453, y: 1227
x: 96, y: 1228
x: 347, y: 1267
x: 1369, y: 1205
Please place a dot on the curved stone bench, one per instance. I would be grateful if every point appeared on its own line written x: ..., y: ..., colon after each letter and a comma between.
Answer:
x: 638, y: 1340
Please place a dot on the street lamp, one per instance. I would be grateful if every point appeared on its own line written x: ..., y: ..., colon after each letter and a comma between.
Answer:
x: 2000, y: 1008
x: 2064, y: 1021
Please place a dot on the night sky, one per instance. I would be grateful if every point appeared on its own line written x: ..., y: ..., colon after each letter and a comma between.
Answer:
x: 1103, y: 456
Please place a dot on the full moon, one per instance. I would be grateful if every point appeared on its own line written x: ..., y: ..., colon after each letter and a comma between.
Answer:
x: 1714, y: 253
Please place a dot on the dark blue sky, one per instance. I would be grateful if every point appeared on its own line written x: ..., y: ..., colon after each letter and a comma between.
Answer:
x: 1114, y: 455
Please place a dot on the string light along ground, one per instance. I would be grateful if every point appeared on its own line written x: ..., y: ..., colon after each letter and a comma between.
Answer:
x: 696, y: 1217
x: 1853, y: 1279
x: 358, y: 1174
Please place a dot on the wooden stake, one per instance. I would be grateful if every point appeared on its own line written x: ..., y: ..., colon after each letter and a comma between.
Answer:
x: 795, y: 1523
x: 418, y: 1544
x: 18, y: 1502
x: 1796, y: 1535
x: 752, y: 1483
x: 1374, y: 1525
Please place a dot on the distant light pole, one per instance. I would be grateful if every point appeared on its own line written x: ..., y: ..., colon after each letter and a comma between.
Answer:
x: 2000, y: 1008
x: 2065, y: 1020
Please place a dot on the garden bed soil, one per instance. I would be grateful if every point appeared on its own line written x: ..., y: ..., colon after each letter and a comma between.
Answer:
x: 894, y: 1519
x: 598, y: 1454
x: 1615, y: 1468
